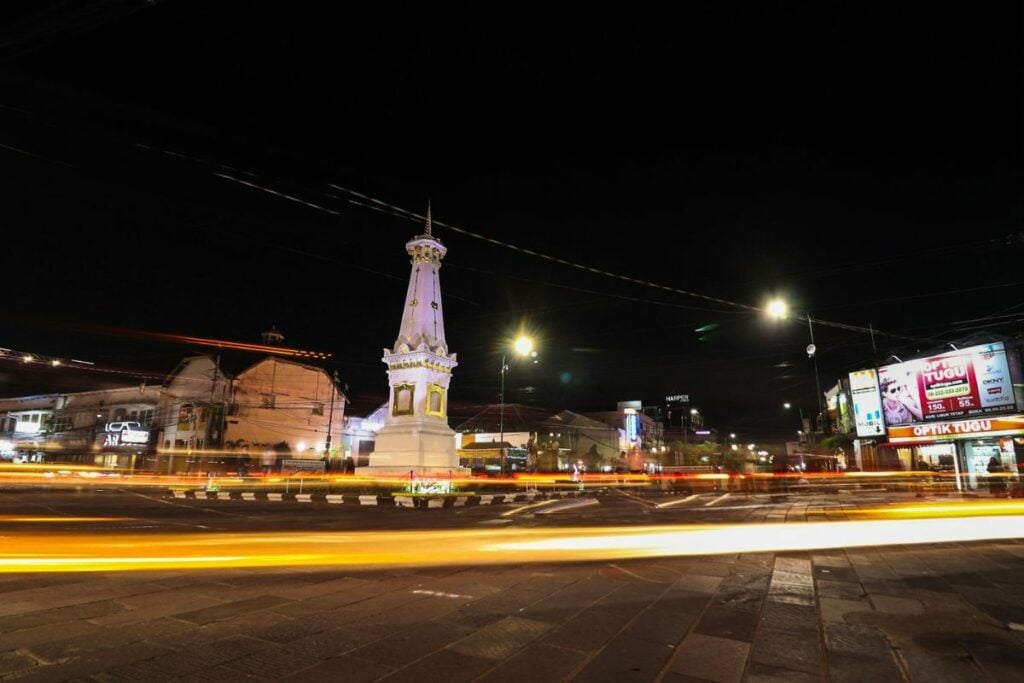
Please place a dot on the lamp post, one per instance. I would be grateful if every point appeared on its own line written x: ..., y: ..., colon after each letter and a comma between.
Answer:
x: 811, y: 349
x: 523, y: 347
x: 777, y: 308
x: 330, y: 418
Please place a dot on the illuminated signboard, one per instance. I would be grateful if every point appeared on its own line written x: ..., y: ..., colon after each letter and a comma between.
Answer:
x: 125, y: 434
x: 867, y: 404
x: 961, y: 383
x: 632, y: 430
x: 678, y: 398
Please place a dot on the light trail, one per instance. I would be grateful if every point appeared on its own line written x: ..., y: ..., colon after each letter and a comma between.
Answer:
x: 81, y: 552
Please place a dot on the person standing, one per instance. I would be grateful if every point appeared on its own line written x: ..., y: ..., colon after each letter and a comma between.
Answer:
x: 996, y: 483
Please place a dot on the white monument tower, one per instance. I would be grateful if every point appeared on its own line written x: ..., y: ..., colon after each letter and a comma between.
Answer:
x: 415, y: 436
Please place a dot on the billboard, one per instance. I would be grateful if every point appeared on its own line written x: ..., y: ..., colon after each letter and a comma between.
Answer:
x: 960, y: 383
x: 867, y: 404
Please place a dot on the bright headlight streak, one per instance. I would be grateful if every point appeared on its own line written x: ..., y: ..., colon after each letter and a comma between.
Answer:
x: 758, y: 538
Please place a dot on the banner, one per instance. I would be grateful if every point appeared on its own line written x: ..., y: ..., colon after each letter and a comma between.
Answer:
x: 867, y: 404
x: 960, y: 383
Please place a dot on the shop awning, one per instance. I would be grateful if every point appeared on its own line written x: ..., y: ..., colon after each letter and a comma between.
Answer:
x: 908, y: 444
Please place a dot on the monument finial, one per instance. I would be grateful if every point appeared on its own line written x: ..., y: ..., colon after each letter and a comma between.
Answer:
x: 429, y: 226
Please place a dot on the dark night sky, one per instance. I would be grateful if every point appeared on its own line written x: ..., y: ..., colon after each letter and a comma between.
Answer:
x: 864, y: 161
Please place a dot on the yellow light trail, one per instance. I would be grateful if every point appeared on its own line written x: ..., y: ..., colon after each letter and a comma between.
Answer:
x: 30, y: 519
x: 24, y: 552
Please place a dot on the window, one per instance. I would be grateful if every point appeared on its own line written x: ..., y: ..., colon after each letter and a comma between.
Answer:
x: 61, y: 423
x: 403, y: 399
x: 317, y: 409
x: 267, y: 401
x: 146, y: 416
x: 435, y: 400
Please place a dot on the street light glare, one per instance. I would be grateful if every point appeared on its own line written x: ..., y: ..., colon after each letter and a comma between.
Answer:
x: 777, y: 308
x: 523, y: 346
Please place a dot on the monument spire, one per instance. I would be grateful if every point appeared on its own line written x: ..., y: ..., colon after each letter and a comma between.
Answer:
x: 416, y: 437
x: 423, y: 316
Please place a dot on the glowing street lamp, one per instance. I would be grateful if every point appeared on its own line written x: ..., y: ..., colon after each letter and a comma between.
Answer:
x: 523, y: 346
x: 778, y: 309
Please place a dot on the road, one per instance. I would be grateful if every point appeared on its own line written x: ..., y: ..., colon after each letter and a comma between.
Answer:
x: 641, y: 608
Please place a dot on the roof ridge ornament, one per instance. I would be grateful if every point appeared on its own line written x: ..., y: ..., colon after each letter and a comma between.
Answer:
x: 429, y: 224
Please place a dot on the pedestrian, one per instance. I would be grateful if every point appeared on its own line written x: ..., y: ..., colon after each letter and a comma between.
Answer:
x: 996, y: 483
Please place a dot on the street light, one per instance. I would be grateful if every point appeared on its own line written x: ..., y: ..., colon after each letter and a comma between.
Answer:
x: 523, y: 346
x: 778, y: 309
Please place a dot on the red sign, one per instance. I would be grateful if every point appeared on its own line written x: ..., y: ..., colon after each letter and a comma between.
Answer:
x: 986, y: 426
x: 961, y: 383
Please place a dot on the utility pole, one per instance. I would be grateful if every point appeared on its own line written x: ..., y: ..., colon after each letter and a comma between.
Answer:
x: 330, y: 419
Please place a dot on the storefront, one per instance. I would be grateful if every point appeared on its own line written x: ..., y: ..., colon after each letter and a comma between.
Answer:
x: 962, y: 448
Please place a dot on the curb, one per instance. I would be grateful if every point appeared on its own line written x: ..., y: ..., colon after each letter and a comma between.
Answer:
x: 398, y: 500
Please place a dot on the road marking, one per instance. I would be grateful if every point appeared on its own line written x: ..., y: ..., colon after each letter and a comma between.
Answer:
x: 568, y: 505
x: 712, y: 502
x: 513, y: 511
x: 439, y: 594
x: 677, y: 501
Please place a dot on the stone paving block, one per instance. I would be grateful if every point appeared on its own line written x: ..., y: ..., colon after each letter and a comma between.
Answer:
x: 220, y: 674
x: 539, y: 662
x: 884, y: 587
x: 729, y: 622
x: 200, y: 635
x: 444, y: 666
x: 9, y: 608
x: 348, y: 669
x: 830, y: 559
x: 836, y: 573
x: 683, y: 601
x: 856, y: 640
x: 501, y: 639
x: 171, y: 605
x: 788, y: 650
x: 891, y: 605
x: 844, y: 590
x: 570, y: 599
x: 1002, y: 661
x: 326, y: 644
x: 95, y: 663
x: 13, y: 661
x: 762, y: 673
x: 59, y: 615
x: 795, y: 578
x: 790, y: 617
x: 272, y: 662
x: 659, y: 626
x: 699, y: 583
x: 627, y: 659
x: 588, y: 630
x: 398, y: 649
x: 835, y: 610
x: 792, y: 564
x: 709, y: 658
x: 740, y: 598
x: 100, y: 638
x: 791, y: 594
x: 935, y: 667
x: 289, y: 630
x: 44, y: 634
x: 851, y: 669
x: 230, y: 609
